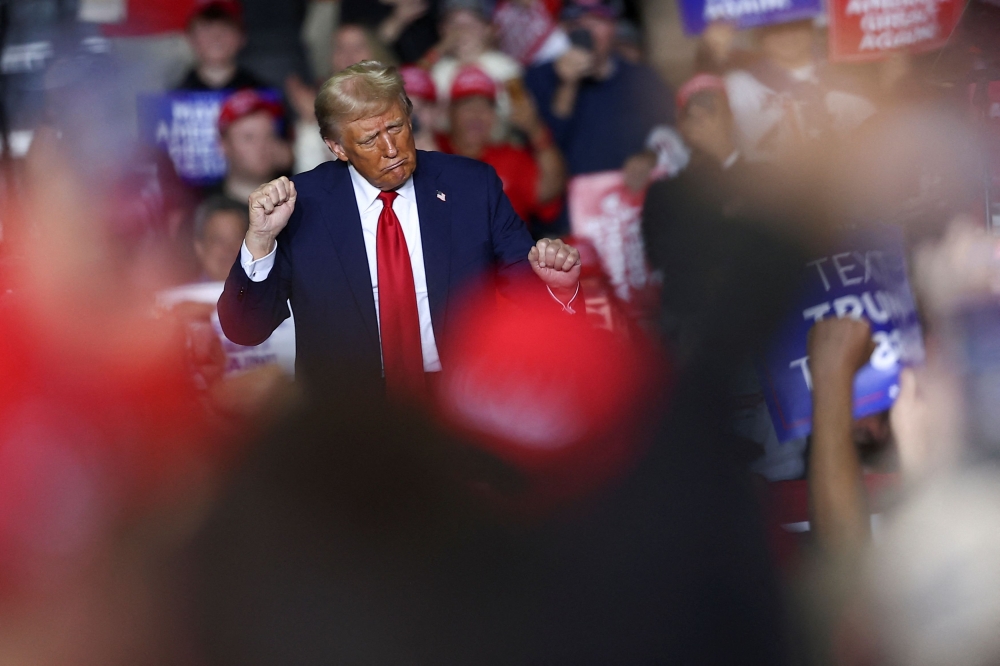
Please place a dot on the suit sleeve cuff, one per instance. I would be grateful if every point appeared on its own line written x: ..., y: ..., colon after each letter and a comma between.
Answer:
x: 258, y: 270
x: 567, y: 306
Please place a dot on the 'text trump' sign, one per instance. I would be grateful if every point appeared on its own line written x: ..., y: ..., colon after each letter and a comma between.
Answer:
x: 866, y: 279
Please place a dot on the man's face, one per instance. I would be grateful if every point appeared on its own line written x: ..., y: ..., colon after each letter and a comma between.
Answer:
x: 250, y: 145
x: 215, y: 42
x: 603, y: 32
x: 788, y: 45
x: 427, y: 114
x: 705, y: 123
x: 219, y: 246
x: 350, y: 47
x: 472, y: 120
x: 380, y: 147
x: 467, y: 31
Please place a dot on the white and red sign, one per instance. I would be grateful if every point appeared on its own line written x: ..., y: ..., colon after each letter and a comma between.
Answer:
x: 603, y: 210
x: 867, y: 30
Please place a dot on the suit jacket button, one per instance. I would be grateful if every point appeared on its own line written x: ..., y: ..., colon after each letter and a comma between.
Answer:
x: 239, y: 296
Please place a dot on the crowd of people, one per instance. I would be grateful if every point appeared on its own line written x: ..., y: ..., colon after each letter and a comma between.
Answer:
x: 204, y: 457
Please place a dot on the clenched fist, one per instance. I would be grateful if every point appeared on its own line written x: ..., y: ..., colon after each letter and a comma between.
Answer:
x: 271, y: 205
x: 558, y: 265
x: 574, y: 64
x: 839, y: 348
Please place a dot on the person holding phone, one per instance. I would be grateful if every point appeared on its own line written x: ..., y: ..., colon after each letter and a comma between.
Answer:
x: 601, y: 109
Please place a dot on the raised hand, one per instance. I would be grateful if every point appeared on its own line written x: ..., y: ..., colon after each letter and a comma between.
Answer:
x: 271, y: 205
x: 575, y: 64
x: 558, y: 266
x: 839, y: 347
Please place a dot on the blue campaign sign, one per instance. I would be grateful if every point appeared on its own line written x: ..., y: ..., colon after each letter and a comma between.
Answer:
x: 866, y: 279
x: 697, y: 14
x: 184, y: 124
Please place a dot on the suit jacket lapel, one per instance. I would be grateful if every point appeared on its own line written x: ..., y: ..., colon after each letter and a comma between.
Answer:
x: 343, y: 221
x: 435, y: 236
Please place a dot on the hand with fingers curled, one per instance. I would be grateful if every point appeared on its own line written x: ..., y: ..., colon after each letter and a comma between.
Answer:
x: 558, y: 266
x: 271, y: 205
x: 839, y: 347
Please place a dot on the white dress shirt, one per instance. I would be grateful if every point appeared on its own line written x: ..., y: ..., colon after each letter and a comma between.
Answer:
x: 405, y: 207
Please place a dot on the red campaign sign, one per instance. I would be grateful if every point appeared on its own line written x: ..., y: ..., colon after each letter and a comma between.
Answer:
x: 866, y: 30
x: 603, y: 210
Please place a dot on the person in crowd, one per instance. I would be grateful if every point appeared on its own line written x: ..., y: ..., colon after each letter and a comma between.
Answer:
x: 408, y: 27
x: 215, y: 33
x: 628, y: 42
x: 467, y: 39
x: 790, y: 99
x: 838, y: 348
x: 717, y: 52
x: 601, y: 109
x: 254, y: 151
x: 533, y: 180
x: 351, y: 43
x: 219, y: 227
x: 426, y: 114
x: 685, y: 219
x: 313, y: 241
x: 529, y: 31
x: 274, y: 47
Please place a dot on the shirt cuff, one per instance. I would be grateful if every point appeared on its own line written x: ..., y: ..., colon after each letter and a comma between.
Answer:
x: 566, y: 307
x: 258, y: 270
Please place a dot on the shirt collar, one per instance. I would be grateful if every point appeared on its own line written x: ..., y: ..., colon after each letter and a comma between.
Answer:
x: 367, y: 194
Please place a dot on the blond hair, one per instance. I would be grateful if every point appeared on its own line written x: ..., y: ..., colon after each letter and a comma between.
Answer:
x: 359, y: 91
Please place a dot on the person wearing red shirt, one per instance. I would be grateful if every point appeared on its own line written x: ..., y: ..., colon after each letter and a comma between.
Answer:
x: 533, y: 179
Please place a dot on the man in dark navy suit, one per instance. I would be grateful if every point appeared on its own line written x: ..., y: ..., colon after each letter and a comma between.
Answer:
x: 374, y: 251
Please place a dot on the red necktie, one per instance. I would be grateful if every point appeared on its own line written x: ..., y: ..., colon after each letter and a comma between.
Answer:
x: 399, y: 325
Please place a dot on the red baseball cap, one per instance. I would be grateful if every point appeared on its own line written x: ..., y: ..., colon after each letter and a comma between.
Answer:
x: 472, y: 81
x: 562, y: 437
x: 418, y: 83
x: 699, y: 83
x: 217, y: 9
x: 243, y: 103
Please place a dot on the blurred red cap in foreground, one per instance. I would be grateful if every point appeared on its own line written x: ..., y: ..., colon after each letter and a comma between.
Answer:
x: 562, y: 405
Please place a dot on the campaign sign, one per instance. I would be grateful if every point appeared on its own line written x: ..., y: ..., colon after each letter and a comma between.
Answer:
x: 866, y: 279
x: 866, y: 30
x: 185, y: 125
x: 697, y: 14
x: 603, y: 210
x: 278, y: 349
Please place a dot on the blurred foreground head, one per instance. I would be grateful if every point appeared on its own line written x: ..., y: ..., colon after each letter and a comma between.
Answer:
x: 556, y: 427
x: 363, y: 533
x: 934, y: 580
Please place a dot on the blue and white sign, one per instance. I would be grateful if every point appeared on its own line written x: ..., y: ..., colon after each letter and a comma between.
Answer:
x: 867, y: 279
x: 697, y: 14
x: 185, y: 125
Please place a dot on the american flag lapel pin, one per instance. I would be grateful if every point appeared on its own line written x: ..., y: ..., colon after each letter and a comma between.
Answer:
x: 441, y: 196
